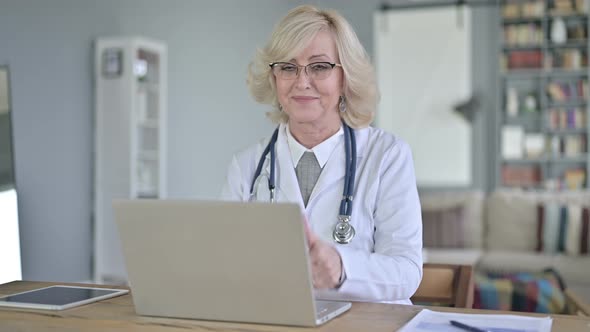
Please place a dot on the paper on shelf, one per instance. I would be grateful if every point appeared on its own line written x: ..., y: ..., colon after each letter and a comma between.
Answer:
x: 512, y: 142
x: 534, y: 145
x: 434, y: 321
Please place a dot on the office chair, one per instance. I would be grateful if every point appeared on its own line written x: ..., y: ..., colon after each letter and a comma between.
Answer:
x: 446, y: 285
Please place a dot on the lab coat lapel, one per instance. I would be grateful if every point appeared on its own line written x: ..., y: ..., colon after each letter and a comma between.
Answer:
x: 332, y: 172
x: 288, y: 187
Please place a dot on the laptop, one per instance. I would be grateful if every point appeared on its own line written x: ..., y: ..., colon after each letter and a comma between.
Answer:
x: 225, y: 261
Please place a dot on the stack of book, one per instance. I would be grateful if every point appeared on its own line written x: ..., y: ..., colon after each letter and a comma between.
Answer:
x: 574, y: 145
x: 576, y: 30
x: 568, y: 59
x: 525, y: 59
x: 570, y: 146
x: 569, y: 6
x: 568, y: 91
x: 566, y: 118
x: 526, y: 34
x: 529, y: 9
x: 521, y: 175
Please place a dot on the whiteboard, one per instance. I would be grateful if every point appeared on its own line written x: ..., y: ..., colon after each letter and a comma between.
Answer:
x: 423, y: 62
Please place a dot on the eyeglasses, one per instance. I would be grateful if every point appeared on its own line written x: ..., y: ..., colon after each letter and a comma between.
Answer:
x: 314, y: 70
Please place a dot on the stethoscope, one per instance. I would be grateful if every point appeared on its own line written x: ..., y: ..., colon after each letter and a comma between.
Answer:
x: 343, y: 231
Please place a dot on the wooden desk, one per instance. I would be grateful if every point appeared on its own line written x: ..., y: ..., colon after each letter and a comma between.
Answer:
x: 117, y: 314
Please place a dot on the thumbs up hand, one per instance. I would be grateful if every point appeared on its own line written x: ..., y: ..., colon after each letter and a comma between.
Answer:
x: 326, y: 264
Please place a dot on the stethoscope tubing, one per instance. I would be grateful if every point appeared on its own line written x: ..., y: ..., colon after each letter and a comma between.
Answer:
x: 350, y: 164
x: 269, y: 147
x: 343, y: 231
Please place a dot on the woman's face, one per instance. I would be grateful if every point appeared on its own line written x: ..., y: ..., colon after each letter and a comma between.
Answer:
x: 308, y: 100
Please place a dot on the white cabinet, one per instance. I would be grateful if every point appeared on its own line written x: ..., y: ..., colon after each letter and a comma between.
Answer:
x: 130, y: 138
x: 10, y: 253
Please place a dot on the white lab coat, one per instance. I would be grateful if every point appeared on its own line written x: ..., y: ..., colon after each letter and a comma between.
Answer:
x: 383, y: 263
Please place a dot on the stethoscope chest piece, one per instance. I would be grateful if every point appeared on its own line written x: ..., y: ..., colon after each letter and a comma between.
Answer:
x: 343, y: 232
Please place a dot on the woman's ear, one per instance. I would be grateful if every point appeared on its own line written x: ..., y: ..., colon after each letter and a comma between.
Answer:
x: 344, y: 86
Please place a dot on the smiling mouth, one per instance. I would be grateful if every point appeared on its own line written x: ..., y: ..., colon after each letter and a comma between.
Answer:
x: 303, y: 99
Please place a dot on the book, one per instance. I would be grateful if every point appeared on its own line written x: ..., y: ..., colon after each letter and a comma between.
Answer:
x: 573, y: 145
x: 575, y: 178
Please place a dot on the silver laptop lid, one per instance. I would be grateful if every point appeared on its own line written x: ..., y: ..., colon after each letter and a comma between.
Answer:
x: 229, y: 261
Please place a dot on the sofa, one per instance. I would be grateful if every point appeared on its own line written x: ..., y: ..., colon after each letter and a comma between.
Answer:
x: 502, y: 232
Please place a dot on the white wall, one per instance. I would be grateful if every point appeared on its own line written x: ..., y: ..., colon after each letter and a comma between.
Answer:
x: 48, y: 45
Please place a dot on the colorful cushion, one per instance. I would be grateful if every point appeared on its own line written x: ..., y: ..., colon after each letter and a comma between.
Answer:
x: 528, y: 292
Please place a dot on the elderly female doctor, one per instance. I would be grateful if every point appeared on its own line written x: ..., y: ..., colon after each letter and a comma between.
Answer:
x: 355, y: 183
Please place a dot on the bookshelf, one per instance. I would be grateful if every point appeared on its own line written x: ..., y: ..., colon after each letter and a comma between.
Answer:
x: 543, y: 126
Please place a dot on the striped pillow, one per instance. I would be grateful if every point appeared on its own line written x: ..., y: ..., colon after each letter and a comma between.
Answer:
x: 443, y: 228
x: 563, y: 229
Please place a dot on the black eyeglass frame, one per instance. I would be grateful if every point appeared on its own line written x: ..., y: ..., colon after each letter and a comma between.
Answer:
x: 332, y: 64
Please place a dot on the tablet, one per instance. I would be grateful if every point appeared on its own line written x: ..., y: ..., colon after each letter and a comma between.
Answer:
x: 59, y: 297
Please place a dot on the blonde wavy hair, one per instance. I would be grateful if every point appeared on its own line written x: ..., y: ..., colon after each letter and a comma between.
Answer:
x: 290, y: 37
